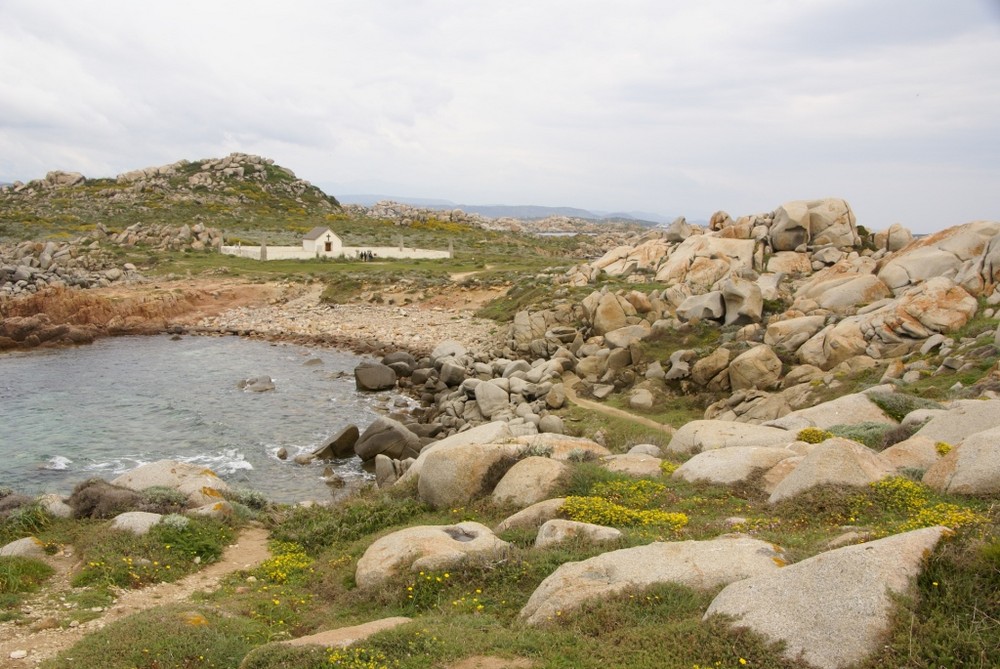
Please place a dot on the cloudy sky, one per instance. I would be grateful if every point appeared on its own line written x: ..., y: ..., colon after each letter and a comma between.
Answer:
x: 670, y: 106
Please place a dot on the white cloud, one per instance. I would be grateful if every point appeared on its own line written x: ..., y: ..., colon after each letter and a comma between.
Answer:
x: 681, y: 107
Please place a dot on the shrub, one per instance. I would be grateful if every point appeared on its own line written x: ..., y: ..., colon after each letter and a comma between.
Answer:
x: 898, y: 405
x: 96, y: 498
x: 316, y: 528
x: 600, y: 511
x: 160, y: 499
x: 813, y: 435
x: 289, y: 562
x: 21, y: 574
x: 24, y: 521
x: 869, y: 433
x: 252, y: 499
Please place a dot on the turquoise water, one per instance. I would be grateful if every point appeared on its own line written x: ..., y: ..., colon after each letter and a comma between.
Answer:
x: 99, y: 410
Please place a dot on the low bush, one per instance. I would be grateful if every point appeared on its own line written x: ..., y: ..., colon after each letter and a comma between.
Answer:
x: 869, y: 433
x: 896, y: 405
x: 316, y: 528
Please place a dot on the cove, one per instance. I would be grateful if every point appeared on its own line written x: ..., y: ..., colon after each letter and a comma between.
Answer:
x: 98, y: 410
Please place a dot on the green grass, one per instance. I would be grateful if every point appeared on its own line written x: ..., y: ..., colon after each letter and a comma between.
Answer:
x: 19, y: 576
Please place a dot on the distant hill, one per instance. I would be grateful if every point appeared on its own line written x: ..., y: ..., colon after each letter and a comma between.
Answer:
x: 523, y: 212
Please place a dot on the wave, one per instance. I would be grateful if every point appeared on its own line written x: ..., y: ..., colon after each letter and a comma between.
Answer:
x: 57, y: 463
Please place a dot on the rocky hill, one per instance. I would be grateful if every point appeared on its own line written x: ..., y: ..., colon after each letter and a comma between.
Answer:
x: 239, y: 191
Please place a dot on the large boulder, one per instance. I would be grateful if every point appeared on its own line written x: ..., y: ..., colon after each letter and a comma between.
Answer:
x: 691, y: 254
x: 757, y: 368
x: 971, y: 468
x: 848, y: 294
x: 27, y: 547
x: 826, y: 222
x: 388, y: 437
x: 136, y: 522
x: 942, y: 254
x: 914, y: 453
x: 454, y: 476
x: 200, y: 484
x: 374, y: 376
x: 730, y: 465
x: 836, y: 461
x: 790, y: 334
x: 557, y: 531
x: 533, y: 517
x: 495, y: 432
x: 963, y: 419
x: 833, y: 345
x: 563, y: 447
x: 611, y: 313
x: 744, y: 301
x: 424, y: 548
x: 708, y: 306
x: 492, y: 399
x: 844, y: 410
x: 833, y: 609
x: 710, y: 366
x: 340, y: 445
x: 695, y: 564
x: 530, y: 481
x: 634, y: 464
x: 702, y: 435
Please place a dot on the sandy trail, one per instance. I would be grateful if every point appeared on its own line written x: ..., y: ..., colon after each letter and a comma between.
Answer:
x: 249, y: 551
x: 570, y: 380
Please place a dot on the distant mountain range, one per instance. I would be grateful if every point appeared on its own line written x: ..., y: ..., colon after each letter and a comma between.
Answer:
x: 525, y: 212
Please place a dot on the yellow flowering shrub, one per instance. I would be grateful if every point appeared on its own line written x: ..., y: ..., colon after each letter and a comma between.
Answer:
x: 633, y: 493
x: 667, y: 467
x: 897, y: 493
x: 289, y: 560
x: 913, y: 500
x: 950, y: 515
x: 600, y: 511
x: 359, y: 657
x: 813, y: 435
x: 943, y: 448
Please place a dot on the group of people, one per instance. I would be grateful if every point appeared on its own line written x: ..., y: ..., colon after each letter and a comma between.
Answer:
x: 365, y: 256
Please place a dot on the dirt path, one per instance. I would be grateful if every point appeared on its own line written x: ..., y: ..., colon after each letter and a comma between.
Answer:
x: 570, y: 381
x: 42, y: 644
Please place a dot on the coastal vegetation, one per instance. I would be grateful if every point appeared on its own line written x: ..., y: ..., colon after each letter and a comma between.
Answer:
x: 309, y: 582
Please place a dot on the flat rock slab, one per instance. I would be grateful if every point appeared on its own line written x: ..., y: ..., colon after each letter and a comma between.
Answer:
x: 490, y: 662
x: 136, y: 522
x: 557, y: 530
x: 730, y: 465
x: 29, y: 547
x: 835, y: 461
x: 971, y: 468
x: 832, y: 609
x: 963, y: 419
x: 200, y: 484
x: 424, y: 547
x: 703, y: 435
x: 633, y: 464
x: 533, y: 517
x: 561, y: 446
x: 342, y: 637
x: 845, y: 410
x: 696, y: 564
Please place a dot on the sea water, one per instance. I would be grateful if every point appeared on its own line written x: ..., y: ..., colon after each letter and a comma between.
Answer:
x: 99, y: 410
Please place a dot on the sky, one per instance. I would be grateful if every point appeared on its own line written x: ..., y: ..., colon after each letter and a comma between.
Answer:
x: 676, y: 107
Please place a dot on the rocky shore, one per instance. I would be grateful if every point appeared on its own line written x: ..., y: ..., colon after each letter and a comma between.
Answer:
x: 359, y: 327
